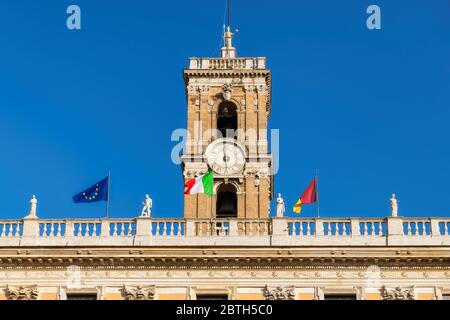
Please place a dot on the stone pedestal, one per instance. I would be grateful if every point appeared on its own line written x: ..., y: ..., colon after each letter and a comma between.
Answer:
x: 30, y: 233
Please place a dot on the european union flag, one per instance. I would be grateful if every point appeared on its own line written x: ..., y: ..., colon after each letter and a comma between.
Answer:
x: 95, y: 193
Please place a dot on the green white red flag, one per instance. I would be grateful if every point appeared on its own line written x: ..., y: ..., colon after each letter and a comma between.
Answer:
x: 200, y: 185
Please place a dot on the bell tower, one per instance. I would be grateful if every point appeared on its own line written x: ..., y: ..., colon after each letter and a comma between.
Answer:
x: 228, y: 101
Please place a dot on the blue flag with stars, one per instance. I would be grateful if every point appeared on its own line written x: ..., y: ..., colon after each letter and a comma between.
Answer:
x: 95, y: 193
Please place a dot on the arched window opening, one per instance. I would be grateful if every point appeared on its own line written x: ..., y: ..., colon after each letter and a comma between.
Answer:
x: 226, y: 201
x: 227, y: 122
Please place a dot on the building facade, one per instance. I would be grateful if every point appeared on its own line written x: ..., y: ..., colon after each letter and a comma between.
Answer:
x: 227, y: 246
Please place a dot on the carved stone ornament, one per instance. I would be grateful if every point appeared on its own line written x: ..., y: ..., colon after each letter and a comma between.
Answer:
x: 22, y: 293
x: 191, y: 174
x: 227, y: 91
x: 138, y: 293
x: 279, y: 293
x: 261, y: 89
x: 257, y: 173
x: 397, y: 294
x: 192, y: 89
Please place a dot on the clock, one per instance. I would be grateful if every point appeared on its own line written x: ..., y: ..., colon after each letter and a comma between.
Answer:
x: 226, y: 157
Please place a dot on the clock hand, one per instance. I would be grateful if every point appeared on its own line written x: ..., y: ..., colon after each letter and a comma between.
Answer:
x: 225, y: 156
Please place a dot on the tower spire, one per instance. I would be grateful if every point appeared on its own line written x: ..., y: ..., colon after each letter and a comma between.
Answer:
x: 228, y: 51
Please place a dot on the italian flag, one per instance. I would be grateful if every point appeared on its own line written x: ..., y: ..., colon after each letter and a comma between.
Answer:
x: 203, y: 184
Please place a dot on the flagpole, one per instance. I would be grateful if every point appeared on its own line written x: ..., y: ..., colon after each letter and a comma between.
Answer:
x: 317, y: 193
x: 109, y: 188
x: 229, y: 11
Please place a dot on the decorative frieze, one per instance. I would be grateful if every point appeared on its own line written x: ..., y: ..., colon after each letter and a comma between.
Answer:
x: 139, y: 293
x: 22, y: 293
x: 279, y: 293
x: 397, y: 293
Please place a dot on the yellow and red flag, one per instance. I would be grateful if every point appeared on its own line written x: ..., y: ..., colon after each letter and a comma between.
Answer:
x: 308, y: 197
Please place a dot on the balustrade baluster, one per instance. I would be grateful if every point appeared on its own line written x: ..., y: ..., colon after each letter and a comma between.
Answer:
x: 444, y: 228
x: 209, y: 228
x: 294, y: 228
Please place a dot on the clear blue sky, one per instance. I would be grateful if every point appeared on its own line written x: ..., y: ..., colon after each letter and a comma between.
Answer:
x: 370, y: 109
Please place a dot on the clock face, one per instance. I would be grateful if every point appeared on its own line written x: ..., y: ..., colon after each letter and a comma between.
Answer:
x: 225, y: 157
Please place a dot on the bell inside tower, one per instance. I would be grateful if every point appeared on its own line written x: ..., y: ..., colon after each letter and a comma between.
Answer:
x: 226, y: 201
x: 227, y: 119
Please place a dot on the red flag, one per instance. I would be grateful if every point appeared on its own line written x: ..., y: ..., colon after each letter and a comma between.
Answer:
x: 310, y: 194
x: 308, y: 197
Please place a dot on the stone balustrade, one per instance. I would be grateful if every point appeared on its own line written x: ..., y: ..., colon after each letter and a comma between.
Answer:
x: 392, y: 231
x: 227, y: 64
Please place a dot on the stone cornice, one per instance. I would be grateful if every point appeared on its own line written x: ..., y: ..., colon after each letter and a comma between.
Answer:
x: 225, y: 258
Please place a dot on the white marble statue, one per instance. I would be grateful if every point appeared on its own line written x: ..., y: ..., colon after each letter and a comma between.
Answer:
x: 147, y: 209
x: 394, y: 206
x: 280, y: 206
x: 228, y: 37
x: 33, y: 208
